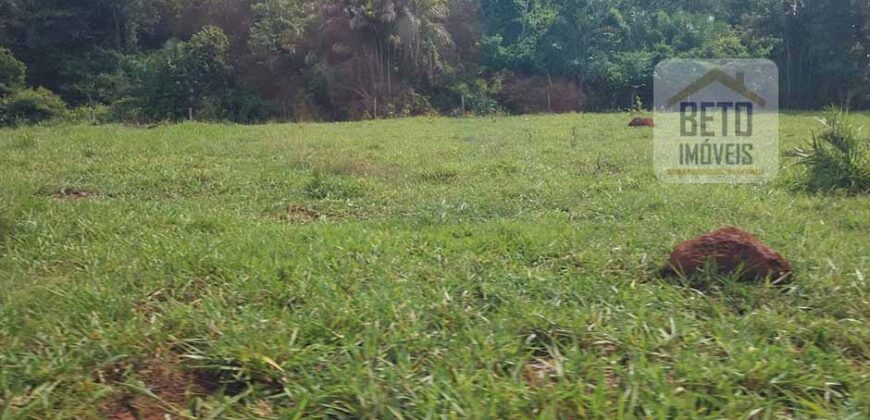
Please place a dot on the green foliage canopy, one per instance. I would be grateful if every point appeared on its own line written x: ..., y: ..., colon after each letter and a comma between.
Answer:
x: 345, y: 59
x: 12, y: 72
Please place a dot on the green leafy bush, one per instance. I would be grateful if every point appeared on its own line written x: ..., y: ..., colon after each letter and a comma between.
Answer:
x: 97, y: 114
x: 32, y: 106
x: 189, y: 77
x: 96, y: 77
x: 12, y: 72
x: 838, y: 158
x: 478, y: 95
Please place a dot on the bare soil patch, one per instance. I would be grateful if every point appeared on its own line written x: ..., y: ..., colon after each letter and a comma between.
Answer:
x: 71, y: 194
x: 168, y: 386
x: 541, y: 372
x: 299, y: 214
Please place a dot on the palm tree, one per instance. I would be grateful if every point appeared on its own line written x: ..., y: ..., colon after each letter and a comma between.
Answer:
x: 372, y: 45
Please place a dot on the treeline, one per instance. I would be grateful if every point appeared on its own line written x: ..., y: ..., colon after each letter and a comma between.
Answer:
x: 253, y: 60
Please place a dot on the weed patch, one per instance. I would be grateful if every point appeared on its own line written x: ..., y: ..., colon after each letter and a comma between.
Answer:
x: 438, y: 175
x: 298, y: 214
x: 322, y: 187
x: 349, y: 164
x: 838, y: 157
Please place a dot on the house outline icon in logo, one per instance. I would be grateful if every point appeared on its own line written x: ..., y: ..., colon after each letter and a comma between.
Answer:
x: 736, y: 84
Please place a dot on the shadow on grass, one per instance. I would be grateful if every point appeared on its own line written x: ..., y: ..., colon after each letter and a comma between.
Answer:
x: 738, y: 294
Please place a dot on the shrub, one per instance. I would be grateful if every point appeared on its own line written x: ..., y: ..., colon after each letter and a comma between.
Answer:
x: 188, y: 76
x: 838, y: 157
x: 97, y: 114
x: 244, y: 106
x: 96, y: 77
x: 32, y: 106
x: 478, y: 95
x: 529, y: 94
x: 408, y: 103
x: 12, y: 72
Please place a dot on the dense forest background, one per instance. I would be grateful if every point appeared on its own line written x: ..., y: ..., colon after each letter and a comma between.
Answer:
x: 253, y: 60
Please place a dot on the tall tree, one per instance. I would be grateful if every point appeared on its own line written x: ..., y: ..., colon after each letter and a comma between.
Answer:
x: 822, y: 48
x: 48, y: 34
x: 372, y: 51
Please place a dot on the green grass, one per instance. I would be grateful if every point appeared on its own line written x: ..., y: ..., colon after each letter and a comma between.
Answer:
x: 461, y: 268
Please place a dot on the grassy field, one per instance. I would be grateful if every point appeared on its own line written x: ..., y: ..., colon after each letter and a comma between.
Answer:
x: 452, y: 268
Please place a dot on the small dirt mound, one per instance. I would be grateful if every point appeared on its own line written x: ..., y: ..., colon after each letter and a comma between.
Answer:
x: 164, y: 377
x: 733, y: 251
x: 71, y: 194
x: 300, y: 214
x: 642, y: 122
x: 541, y: 372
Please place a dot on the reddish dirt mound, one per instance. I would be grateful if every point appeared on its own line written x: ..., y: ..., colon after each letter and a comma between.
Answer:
x: 731, y: 250
x: 642, y: 122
